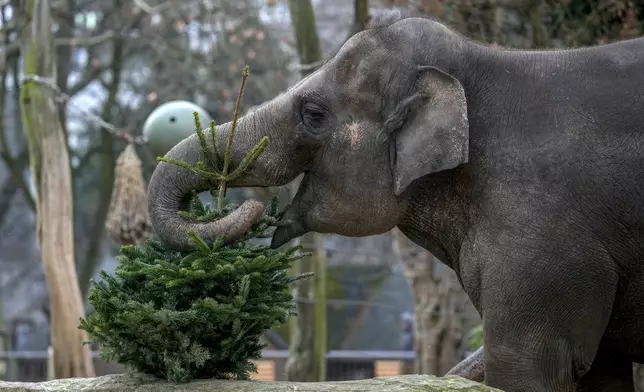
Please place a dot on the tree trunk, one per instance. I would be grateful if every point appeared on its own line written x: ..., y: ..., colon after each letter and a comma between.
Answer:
x: 306, y: 36
x: 539, y: 31
x: 307, y: 343
x: 52, y: 174
x: 438, y: 300
x: 360, y: 16
x: 308, y: 340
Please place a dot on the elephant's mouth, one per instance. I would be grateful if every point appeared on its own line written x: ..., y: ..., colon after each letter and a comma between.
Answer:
x: 294, y: 223
x: 288, y: 232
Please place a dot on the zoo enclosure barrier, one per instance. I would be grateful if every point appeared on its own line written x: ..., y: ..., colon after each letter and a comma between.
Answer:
x: 32, y: 366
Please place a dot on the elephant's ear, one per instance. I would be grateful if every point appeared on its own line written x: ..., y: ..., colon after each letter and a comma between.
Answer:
x: 430, y: 129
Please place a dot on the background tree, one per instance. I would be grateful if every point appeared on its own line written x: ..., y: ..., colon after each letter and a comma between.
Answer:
x: 308, y: 337
x: 441, y: 312
x: 360, y: 16
x: 49, y: 159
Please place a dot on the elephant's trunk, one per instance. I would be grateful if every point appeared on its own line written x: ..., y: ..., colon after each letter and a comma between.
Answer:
x: 170, y: 190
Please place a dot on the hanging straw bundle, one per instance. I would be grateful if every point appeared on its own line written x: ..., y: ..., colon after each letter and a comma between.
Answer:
x: 128, y: 220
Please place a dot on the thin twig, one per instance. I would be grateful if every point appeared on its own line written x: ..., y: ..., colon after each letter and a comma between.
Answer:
x: 152, y: 10
x: 62, y: 97
x: 307, y: 67
x: 231, y: 135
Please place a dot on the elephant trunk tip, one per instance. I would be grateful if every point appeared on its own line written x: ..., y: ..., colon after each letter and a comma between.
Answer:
x: 238, y: 222
x: 173, y: 231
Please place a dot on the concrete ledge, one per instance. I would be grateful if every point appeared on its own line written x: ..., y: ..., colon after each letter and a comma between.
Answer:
x: 143, y: 383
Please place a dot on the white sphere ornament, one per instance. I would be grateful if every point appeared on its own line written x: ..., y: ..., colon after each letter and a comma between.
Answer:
x: 170, y: 123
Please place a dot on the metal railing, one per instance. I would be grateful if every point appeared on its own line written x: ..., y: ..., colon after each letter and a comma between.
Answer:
x: 266, y: 354
x: 32, y: 366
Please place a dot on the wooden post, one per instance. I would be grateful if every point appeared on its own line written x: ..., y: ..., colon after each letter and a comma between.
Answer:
x: 50, y: 363
x: 321, y: 333
x: 50, y: 166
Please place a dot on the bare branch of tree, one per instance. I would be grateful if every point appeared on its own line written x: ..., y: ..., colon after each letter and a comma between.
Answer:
x: 152, y: 10
x: 95, y: 236
x: 13, y: 49
x: 84, y: 160
x: 11, y: 187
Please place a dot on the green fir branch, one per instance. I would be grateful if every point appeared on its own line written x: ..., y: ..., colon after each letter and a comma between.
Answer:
x: 197, y: 169
x: 213, y: 140
x: 248, y: 160
x: 210, y: 154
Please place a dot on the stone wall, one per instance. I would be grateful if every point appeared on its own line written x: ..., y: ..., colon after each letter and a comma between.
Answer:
x: 141, y: 383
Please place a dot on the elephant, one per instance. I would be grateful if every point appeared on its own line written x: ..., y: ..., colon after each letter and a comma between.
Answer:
x: 523, y: 171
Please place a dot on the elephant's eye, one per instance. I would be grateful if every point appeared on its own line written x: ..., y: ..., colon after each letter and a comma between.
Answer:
x: 312, y: 115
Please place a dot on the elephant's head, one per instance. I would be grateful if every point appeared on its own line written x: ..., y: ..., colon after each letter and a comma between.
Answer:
x: 362, y: 129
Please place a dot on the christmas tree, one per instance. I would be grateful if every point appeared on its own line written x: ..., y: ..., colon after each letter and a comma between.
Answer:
x: 200, y: 314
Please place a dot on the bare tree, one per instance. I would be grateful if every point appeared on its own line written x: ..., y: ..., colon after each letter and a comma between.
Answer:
x: 307, y: 346
x: 50, y: 164
x: 440, y: 318
x: 360, y: 16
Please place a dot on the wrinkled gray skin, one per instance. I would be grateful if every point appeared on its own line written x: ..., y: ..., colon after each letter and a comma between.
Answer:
x: 522, y: 171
